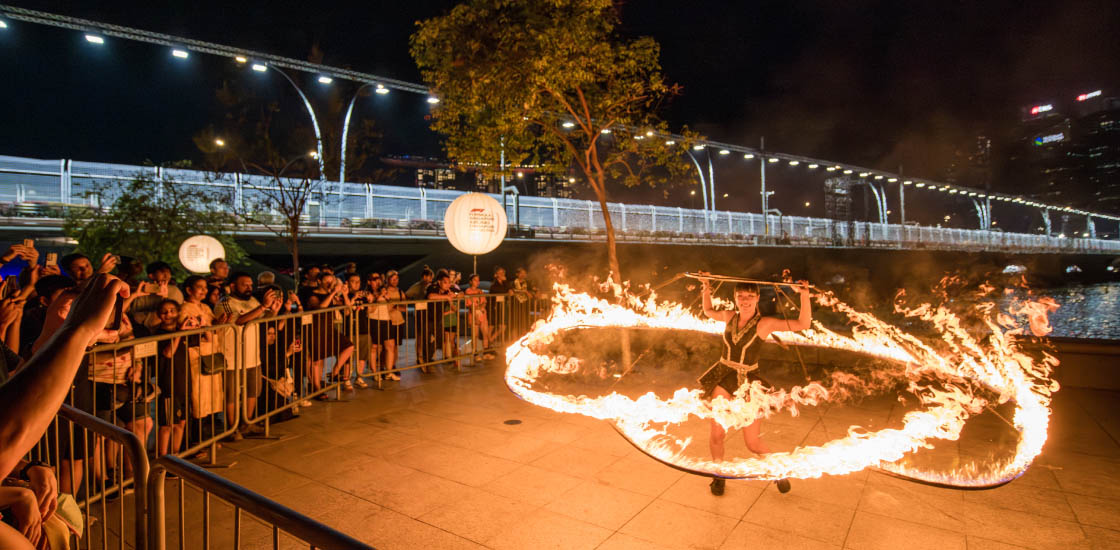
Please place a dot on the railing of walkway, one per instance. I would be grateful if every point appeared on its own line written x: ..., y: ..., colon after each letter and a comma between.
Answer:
x: 42, y: 188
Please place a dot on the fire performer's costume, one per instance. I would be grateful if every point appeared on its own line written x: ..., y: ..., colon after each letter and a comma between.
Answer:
x: 742, y: 348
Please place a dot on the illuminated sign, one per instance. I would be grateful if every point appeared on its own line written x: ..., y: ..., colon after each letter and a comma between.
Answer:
x: 1043, y: 140
x: 1041, y: 108
x: 1089, y: 95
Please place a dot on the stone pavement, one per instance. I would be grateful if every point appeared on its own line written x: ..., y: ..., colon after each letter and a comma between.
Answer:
x: 434, y: 463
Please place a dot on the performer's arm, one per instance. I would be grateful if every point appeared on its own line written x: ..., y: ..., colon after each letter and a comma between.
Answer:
x: 711, y: 312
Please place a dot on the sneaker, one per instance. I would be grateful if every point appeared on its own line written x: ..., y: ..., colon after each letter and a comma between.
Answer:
x: 393, y: 376
x: 717, y: 485
x: 305, y: 403
x: 235, y: 436
x: 348, y: 386
x: 360, y: 383
x: 783, y: 485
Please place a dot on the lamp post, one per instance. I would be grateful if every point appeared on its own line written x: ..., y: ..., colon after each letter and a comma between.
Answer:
x: 314, y: 121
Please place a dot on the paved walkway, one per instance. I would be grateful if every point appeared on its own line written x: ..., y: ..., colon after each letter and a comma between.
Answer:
x: 436, y: 465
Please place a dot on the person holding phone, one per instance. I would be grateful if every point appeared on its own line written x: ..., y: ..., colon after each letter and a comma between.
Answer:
x: 144, y: 307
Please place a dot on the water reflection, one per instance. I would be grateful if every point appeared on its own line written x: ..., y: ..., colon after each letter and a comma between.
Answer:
x: 1088, y: 311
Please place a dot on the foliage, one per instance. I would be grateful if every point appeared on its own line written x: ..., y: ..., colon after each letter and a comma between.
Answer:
x: 148, y: 218
x: 552, y: 84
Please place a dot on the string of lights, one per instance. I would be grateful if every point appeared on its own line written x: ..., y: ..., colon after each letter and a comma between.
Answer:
x: 95, y: 32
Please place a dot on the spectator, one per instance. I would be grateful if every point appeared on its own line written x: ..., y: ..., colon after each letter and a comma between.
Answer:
x: 171, y: 365
x: 213, y: 296
x: 480, y: 326
x: 266, y: 278
x: 149, y: 295
x: 325, y: 341
x: 38, y: 389
x: 391, y: 339
x: 445, y: 307
x: 47, y: 290
x: 425, y: 323
x: 240, y: 307
x: 204, y: 353
x: 359, y: 321
x: 130, y: 270
x: 499, y: 306
x: 219, y: 274
x: 81, y: 269
x: 520, y: 306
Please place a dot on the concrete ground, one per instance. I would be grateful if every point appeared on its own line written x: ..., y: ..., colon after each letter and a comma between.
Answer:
x: 433, y: 463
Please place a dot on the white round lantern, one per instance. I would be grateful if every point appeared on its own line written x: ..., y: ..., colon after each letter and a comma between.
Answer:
x: 198, y: 251
x: 475, y: 223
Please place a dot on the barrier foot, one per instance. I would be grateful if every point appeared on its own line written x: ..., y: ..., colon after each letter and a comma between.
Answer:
x: 211, y: 461
x: 266, y: 435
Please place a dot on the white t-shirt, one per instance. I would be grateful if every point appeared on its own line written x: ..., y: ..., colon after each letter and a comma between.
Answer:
x: 236, y: 307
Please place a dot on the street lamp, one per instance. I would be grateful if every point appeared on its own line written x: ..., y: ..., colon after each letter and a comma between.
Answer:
x: 310, y: 111
x: 379, y: 89
x: 180, y: 54
x: 219, y: 142
x: 95, y: 39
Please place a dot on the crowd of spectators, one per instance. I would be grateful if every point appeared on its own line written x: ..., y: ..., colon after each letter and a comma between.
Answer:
x: 53, y: 314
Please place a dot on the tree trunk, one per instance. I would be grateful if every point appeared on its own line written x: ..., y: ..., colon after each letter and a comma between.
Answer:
x: 616, y: 271
x: 293, y: 247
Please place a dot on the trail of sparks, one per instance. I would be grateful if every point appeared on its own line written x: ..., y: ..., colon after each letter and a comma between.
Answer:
x: 997, y: 364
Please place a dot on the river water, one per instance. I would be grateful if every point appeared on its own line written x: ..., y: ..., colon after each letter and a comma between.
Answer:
x: 1087, y: 311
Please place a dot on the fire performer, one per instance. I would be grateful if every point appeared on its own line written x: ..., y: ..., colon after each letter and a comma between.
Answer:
x: 742, y: 339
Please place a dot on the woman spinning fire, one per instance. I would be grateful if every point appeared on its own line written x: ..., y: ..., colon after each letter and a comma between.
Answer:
x: 742, y: 339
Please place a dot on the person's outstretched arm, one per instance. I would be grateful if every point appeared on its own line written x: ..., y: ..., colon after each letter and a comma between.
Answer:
x: 34, y: 394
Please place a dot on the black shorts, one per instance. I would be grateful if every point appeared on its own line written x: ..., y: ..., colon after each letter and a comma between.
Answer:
x: 723, y: 376
x: 172, y: 410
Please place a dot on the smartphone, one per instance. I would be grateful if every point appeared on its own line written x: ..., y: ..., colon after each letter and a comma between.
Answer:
x: 115, y: 318
x: 52, y: 259
x: 29, y: 243
x: 150, y: 288
x: 10, y: 287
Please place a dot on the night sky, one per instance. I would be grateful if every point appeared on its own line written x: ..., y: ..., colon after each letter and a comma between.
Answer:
x: 875, y: 83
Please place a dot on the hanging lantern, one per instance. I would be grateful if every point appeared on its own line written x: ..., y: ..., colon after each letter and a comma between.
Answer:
x: 475, y: 223
x: 198, y: 251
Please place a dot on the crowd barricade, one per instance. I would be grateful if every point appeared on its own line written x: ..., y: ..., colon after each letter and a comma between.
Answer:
x: 101, y: 507
x: 197, y: 523
x: 287, y: 359
x: 171, y: 389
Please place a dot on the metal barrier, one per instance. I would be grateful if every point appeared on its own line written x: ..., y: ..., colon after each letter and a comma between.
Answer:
x: 177, y: 388
x: 368, y: 342
x: 118, y: 502
x: 279, y: 519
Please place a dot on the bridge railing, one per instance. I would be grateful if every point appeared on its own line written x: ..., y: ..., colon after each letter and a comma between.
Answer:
x: 44, y: 188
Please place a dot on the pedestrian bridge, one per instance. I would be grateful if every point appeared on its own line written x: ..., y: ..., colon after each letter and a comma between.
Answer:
x: 37, y: 192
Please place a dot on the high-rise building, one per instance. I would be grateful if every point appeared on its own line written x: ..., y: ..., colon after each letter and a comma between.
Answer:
x: 1068, y: 153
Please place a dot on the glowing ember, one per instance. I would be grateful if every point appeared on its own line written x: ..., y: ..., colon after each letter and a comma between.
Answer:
x: 949, y: 375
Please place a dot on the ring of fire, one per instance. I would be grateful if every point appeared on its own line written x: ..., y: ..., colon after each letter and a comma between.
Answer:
x: 996, y: 364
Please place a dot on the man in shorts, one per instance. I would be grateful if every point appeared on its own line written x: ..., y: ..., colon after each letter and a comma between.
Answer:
x: 242, y: 307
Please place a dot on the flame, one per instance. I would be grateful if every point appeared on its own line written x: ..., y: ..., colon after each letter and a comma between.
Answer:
x: 958, y: 362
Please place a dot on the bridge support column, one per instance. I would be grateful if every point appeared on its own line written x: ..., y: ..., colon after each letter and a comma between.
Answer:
x: 1046, y: 222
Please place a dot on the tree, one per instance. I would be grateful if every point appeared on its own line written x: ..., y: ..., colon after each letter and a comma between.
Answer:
x: 279, y: 202
x: 549, y: 82
x: 149, y: 217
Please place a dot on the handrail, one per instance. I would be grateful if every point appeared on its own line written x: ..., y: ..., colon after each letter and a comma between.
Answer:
x: 137, y: 454
x: 314, y: 533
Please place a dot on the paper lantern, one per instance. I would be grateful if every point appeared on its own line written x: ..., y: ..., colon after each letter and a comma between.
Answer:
x: 198, y: 251
x: 475, y: 223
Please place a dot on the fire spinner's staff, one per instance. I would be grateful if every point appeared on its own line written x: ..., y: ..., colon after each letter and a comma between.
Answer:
x: 742, y: 339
